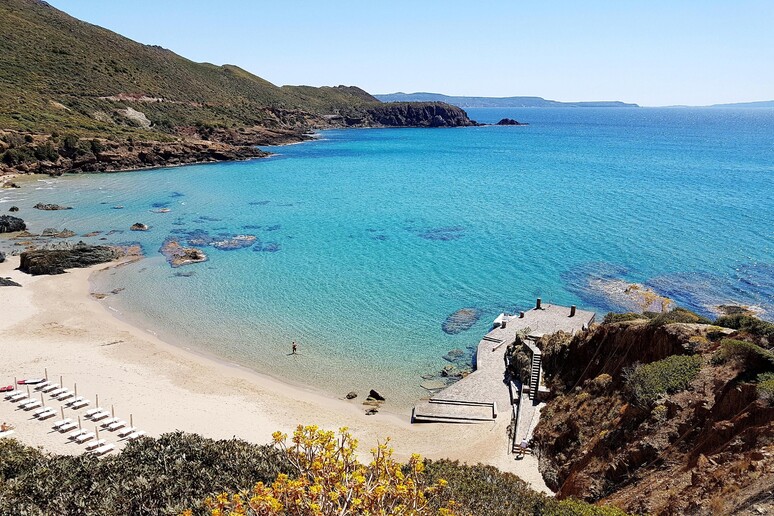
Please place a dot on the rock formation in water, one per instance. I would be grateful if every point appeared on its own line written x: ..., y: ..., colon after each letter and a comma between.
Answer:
x: 509, y: 121
x: 177, y: 255
x: 461, y: 320
x: 51, y: 207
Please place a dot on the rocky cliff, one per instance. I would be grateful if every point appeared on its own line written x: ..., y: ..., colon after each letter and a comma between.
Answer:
x: 659, y: 419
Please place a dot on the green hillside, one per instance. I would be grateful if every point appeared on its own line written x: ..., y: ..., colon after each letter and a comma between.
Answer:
x: 58, y: 73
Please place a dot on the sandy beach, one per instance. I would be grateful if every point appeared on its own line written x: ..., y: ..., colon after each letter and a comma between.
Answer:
x: 53, y: 323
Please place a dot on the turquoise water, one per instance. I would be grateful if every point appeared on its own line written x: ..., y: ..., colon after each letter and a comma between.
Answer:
x: 369, y: 239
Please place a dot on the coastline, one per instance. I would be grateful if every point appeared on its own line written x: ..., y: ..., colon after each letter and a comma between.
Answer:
x: 56, y: 324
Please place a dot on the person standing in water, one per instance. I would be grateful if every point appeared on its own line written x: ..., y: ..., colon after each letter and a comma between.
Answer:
x: 295, y: 348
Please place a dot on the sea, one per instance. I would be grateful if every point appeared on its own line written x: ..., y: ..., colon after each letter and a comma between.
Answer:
x: 367, y: 240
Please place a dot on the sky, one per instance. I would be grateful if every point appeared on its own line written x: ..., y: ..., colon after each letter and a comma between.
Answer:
x: 651, y: 52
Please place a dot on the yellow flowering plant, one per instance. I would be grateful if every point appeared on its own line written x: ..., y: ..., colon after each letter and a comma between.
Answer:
x: 331, y: 481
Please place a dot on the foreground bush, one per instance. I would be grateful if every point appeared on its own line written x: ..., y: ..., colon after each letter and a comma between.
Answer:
x: 752, y: 358
x: 673, y: 374
x: 329, y: 480
x: 678, y: 315
x: 613, y: 317
x: 748, y: 324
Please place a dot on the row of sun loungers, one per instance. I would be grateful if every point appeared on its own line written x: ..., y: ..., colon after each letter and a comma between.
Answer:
x: 77, y: 434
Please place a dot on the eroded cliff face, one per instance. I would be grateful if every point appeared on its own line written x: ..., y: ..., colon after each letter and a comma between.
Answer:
x: 706, y: 449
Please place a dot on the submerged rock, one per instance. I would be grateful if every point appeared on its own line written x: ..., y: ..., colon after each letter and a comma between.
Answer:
x: 177, y: 255
x: 461, y: 320
x: 13, y: 209
x: 54, y: 233
x: 138, y: 226
x: 266, y: 247
x: 9, y: 224
x: 51, y: 207
x: 236, y: 242
x: 65, y: 256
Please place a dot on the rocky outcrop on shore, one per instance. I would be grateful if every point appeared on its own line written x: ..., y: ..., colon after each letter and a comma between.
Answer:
x: 702, y: 447
x: 9, y: 224
x: 406, y: 114
x: 65, y: 256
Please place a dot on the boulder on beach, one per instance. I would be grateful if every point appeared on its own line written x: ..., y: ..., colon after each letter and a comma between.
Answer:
x: 8, y: 282
x: 138, y: 226
x: 9, y: 224
x: 375, y: 395
x: 65, y: 256
x: 461, y: 320
x: 2, y: 257
x: 51, y: 207
x: 351, y: 395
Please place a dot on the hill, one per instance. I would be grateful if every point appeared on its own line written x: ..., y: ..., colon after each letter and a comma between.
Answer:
x: 500, y: 102
x: 60, y: 75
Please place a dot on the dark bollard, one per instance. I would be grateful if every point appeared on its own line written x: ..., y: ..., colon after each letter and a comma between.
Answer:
x: 537, y: 305
x: 572, y: 311
x: 521, y: 315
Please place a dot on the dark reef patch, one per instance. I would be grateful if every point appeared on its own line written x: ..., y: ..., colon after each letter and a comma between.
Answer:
x: 258, y: 203
x: 461, y: 320
x: 275, y: 227
x: 443, y: 234
x: 267, y: 247
x: 161, y: 204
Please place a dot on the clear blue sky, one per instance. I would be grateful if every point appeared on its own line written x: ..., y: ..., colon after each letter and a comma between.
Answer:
x: 653, y: 52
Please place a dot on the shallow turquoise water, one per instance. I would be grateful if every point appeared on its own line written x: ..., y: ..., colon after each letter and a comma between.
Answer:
x: 378, y: 235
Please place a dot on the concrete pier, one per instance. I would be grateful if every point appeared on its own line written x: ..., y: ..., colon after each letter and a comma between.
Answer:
x: 486, y: 393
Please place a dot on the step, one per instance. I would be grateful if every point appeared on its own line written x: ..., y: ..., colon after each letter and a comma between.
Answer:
x: 427, y: 411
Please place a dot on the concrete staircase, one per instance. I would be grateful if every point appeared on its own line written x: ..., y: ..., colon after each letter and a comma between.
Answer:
x: 534, y: 379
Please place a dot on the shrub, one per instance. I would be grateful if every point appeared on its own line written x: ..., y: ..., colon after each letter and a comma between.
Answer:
x: 747, y: 323
x: 678, y: 315
x: 673, y: 374
x: 96, y: 146
x: 765, y: 387
x: 331, y: 481
x: 17, y: 155
x: 69, y: 146
x: 573, y: 507
x: 613, y: 317
x: 47, y: 152
x: 753, y: 357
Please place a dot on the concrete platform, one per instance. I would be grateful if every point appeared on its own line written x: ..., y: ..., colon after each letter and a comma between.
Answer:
x: 464, y: 401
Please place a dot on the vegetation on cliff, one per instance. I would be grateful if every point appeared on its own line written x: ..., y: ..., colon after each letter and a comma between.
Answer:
x: 661, y: 415
x: 68, y: 87
x: 184, y: 472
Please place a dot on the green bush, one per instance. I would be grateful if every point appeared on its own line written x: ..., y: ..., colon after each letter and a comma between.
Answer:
x: 747, y: 323
x: 753, y: 357
x: 678, y: 315
x: 613, y: 317
x: 573, y: 507
x: 46, y: 152
x: 765, y: 387
x: 17, y: 155
x: 673, y: 374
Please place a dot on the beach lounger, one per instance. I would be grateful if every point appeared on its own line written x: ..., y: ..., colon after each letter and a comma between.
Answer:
x: 95, y: 444
x: 99, y: 415
x: 76, y: 434
x: 60, y: 423
x: 74, y: 401
x: 80, y: 404
x: 31, y: 404
x: 57, y: 392
x: 109, y: 422
x: 105, y: 448
x: 67, y: 394
x: 67, y: 427
x: 41, y: 386
x: 93, y: 411
x: 135, y: 435
x: 44, y: 413
x: 87, y: 436
x: 115, y: 426
x: 17, y: 397
x: 126, y: 431
x: 11, y: 394
x: 50, y: 387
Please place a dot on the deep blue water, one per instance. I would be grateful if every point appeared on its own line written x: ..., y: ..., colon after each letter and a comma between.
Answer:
x: 368, y: 239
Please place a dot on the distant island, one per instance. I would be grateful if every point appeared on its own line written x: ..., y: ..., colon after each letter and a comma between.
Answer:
x: 746, y: 105
x: 499, y: 102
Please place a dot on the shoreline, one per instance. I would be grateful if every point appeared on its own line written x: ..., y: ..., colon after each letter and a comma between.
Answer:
x: 56, y: 324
